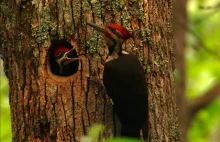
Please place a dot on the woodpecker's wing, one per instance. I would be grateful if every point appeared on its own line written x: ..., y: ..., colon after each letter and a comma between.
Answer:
x: 125, y: 83
x: 124, y: 74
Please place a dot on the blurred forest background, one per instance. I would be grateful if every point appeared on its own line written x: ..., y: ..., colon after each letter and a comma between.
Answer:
x: 202, y: 57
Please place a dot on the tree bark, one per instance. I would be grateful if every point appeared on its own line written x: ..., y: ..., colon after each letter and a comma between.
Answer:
x: 48, y: 107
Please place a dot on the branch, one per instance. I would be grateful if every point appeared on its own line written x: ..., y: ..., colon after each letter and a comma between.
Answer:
x: 200, y: 41
x: 215, y: 10
x: 203, y: 45
x: 216, y: 6
x: 203, y: 101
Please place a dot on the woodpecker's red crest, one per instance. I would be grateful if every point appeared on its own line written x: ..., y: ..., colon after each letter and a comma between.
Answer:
x: 123, y: 31
x: 60, y: 49
x: 112, y: 31
x: 114, y: 35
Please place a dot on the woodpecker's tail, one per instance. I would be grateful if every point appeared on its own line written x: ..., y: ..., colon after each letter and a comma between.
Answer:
x: 145, y: 133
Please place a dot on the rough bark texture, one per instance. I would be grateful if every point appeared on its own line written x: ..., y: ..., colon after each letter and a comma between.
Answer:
x: 47, y: 107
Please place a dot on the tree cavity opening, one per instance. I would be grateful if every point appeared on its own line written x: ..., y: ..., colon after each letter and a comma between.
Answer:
x: 62, y: 58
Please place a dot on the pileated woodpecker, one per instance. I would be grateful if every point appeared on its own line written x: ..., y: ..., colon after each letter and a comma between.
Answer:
x: 125, y: 81
x: 65, y: 57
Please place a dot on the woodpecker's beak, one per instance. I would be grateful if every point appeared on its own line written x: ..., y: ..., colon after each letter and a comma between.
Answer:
x: 67, y: 57
x: 97, y: 27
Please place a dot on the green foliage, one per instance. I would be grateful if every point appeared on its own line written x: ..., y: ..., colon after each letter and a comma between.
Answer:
x: 203, y: 66
x: 205, y: 122
x: 93, y: 134
x: 5, y: 119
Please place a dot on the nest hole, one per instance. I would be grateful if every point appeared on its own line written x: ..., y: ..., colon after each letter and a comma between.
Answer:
x: 56, y: 52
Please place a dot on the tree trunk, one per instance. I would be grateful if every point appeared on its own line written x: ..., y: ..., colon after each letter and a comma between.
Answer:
x: 49, y: 107
x: 180, y: 28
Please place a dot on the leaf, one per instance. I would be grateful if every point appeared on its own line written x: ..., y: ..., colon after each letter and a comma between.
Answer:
x: 93, y: 133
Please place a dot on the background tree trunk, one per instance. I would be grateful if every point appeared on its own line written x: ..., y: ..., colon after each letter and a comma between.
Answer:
x: 187, y: 108
x: 180, y: 29
x: 47, y: 107
x: 215, y: 136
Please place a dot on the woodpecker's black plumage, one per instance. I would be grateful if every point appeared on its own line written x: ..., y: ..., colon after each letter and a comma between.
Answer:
x: 125, y: 81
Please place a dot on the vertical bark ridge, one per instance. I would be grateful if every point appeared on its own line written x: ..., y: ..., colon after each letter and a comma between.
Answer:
x: 73, y: 112
x: 87, y: 103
